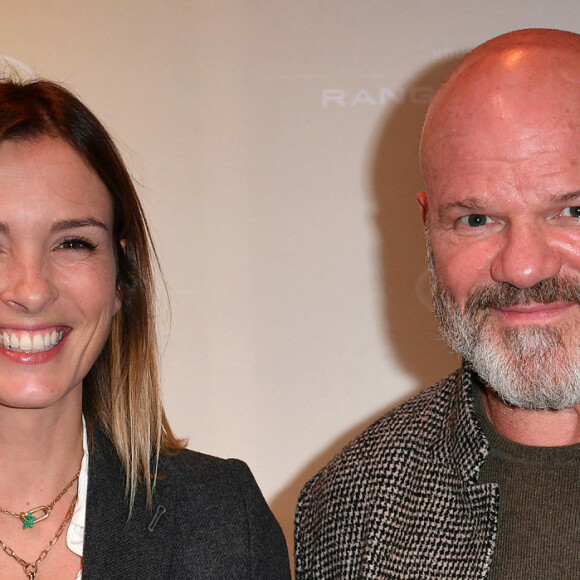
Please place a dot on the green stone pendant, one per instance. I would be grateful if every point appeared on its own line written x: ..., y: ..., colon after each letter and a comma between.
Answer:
x: 28, y: 520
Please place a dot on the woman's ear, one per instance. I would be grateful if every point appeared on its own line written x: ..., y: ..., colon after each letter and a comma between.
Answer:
x: 120, y: 294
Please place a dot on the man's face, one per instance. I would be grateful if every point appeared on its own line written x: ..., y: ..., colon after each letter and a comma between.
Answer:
x: 503, y: 222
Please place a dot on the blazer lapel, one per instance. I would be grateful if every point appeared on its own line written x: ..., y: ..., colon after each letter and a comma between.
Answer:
x: 447, y: 522
x: 118, y: 547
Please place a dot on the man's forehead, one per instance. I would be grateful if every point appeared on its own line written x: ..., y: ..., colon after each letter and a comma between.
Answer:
x: 508, y: 81
x: 485, y: 124
x: 485, y: 142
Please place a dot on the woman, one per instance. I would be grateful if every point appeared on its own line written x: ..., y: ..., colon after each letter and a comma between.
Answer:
x: 93, y: 483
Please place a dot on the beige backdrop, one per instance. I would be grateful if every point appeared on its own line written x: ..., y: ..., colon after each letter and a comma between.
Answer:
x: 274, y: 143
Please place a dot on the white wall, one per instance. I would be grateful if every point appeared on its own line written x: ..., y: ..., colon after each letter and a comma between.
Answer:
x: 274, y: 143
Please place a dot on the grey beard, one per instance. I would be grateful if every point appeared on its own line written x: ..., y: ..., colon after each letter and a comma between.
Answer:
x: 530, y: 367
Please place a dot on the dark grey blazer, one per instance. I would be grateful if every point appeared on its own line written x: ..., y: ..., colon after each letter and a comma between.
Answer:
x: 209, y: 521
x: 402, y: 500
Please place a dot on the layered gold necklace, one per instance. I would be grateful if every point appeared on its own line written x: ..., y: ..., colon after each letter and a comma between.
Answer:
x: 31, y: 568
x: 29, y: 519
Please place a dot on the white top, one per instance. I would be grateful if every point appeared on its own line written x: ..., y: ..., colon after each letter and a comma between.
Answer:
x: 75, y: 535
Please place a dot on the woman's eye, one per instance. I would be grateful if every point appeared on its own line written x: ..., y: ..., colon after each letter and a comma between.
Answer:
x: 572, y: 211
x: 475, y: 220
x: 76, y: 244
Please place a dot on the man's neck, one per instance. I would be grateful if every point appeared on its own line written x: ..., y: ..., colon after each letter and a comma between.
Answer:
x: 542, y: 428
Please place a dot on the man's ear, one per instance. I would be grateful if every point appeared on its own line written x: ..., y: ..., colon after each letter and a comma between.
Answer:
x: 424, y: 203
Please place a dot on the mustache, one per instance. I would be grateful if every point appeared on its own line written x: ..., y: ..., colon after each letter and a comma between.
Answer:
x: 503, y: 294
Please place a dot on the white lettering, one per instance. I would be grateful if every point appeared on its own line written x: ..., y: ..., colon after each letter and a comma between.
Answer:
x: 387, y: 95
x: 362, y: 96
x: 420, y: 95
x: 442, y: 53
x: 417, y: 95
x: 333, y: 95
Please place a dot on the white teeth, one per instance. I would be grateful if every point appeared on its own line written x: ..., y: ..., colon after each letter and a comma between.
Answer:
x: 37, y: 343
x: 25, y: 343
x: 31, y: 342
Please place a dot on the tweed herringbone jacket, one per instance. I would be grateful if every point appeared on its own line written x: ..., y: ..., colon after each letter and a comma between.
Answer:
x: 402, y: 500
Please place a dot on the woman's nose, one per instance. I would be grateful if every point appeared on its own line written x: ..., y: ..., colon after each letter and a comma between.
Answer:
x: 25, y: 284
x: 525, y: 257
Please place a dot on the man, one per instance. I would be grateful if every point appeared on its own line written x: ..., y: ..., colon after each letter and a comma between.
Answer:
x: 478, y: 476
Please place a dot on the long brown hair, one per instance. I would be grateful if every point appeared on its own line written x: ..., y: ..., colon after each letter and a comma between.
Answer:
x: 121, y: 393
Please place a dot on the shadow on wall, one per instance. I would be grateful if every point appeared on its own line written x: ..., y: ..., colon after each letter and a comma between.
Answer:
x: 408, y: 324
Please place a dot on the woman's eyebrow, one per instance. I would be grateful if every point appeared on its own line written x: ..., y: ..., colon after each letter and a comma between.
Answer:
x: 62, y: 225
x: 70, y: 224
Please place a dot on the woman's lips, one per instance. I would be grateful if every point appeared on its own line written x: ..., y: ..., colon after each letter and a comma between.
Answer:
x: 30, y: 341
x: 31, y: 346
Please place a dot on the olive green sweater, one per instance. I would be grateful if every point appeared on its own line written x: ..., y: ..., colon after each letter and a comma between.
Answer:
x: 539, y: 506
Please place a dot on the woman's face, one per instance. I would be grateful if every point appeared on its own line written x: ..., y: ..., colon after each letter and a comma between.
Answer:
x: 57, y: 272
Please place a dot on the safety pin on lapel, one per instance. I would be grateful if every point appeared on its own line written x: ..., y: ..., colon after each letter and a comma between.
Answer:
x: 160, y: 511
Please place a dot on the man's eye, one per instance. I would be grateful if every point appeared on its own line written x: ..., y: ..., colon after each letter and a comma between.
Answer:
x: 572, y: 211
x: 475, y: 220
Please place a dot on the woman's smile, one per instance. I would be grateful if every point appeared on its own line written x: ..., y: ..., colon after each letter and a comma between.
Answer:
x: 31, y: 341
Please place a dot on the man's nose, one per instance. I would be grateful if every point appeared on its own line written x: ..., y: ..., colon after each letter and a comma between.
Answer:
x: 25, y: 284
x: 525, y: 257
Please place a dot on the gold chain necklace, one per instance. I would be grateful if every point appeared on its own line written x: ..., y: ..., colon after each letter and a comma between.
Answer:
x: 28, y: 518
x: 31, y: 568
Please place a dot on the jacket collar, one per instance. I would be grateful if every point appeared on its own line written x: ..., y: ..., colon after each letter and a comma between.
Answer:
x: 463, y: 441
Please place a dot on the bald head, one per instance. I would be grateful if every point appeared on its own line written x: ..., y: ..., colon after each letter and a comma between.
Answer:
x: 509, y: 85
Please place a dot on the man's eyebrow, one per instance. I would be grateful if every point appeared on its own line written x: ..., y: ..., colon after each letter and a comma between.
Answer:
x: 71, y: 224
x: 565, y: 197
x: 467, y: 204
